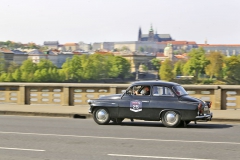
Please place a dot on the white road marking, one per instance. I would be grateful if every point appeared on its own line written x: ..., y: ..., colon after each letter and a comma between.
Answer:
x: 155, y: 157
x: 22, y: 149
x: 119, y: 138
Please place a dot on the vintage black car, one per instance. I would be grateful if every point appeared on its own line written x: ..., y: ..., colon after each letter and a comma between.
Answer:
x: 151, y: 101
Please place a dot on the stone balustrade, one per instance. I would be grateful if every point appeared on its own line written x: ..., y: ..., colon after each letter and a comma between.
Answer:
x: 72, y: 94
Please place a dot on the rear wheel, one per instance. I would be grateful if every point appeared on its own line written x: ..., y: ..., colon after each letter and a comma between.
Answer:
x: 182, y: 123
x: 101, y: 116
x: 171, y: 119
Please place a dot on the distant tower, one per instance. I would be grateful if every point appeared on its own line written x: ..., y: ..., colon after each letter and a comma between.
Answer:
x: 205, y: 41
x: 151, y: 34
x: 155, y: 36
x: 168, y: 51
x: 140, y: 34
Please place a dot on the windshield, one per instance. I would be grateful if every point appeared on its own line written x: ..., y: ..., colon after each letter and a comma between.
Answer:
x: 179, y: 90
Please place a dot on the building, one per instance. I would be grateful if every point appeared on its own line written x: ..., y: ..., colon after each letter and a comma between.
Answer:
x: 51, y: 44
x: 168, y: 54
x: 19, y: 56
x: 69, y: 47
x: 185, y: 46
x: 153, y: 37
x: 7, y: 55
x: 36, y: 55
x: 226, y: 49
x: 133, y: 46
x: 136, y: 59
x: 84, y: 46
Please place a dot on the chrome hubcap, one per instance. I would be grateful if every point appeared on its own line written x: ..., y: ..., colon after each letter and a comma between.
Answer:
x: 171, y: 117
x: 102, y: 115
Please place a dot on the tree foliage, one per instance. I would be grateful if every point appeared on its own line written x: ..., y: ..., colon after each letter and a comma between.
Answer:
x: 27, y: 69
x: 214, y: 68
x: 2, y: 64
x: 232, y: 69
x: 12, y: 67
x: 165, y: 71
x: 156, y: 63
x: 178, y: 68
x: 73, y: 68
x: 196, y: 63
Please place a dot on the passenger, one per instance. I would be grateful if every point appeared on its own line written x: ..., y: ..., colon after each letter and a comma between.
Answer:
x: 145, y: 91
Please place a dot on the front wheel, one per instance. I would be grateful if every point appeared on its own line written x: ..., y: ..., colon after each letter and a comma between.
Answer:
x: 101, y: 116
x: 171, y: 119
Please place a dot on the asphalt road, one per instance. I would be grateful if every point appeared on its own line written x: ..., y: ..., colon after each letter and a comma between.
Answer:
x: 42, y: 138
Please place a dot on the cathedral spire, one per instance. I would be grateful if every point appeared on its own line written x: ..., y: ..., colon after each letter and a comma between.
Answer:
x: 151, y: 29
x: 151, y: 34
x: 140, y: 34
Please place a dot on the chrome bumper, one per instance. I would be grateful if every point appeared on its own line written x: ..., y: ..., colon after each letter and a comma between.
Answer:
x: 207, y: 117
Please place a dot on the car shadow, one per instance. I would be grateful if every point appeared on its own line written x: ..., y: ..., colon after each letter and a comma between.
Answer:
x: 204, y: 125
x: 207, y: 125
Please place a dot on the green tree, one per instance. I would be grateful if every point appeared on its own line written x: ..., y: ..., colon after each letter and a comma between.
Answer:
x: 232, y: 69
x: 9, y: 78
x: 214, y: 68
x: 27, y: 69
x: 45, y: 63
x: 100, y: 66
x: 73, y: 68
x: 144, y: 68
x: 119, y: 67
x: 178, y: 68
x: 3, y: 77
x: 156, y: 63
x: 165, y: 71
x: 12, y: 67
x: 42, y: 75
x: 17, y: 75
x: 141, y: 49
x: 196, y: 63
x: 2, y: 63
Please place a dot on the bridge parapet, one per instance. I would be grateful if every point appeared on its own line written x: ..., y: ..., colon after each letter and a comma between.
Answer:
x: 222, y: 96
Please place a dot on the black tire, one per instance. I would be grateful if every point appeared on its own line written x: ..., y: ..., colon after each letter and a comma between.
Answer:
x: 182, y: 123
x: 114, y: 120
x: 117, y: 120
x: 101, y: 116
x: 187, y: 122
x: 171, y: 119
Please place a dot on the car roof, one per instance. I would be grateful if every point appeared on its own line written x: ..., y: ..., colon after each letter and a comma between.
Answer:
x: 157, y: 82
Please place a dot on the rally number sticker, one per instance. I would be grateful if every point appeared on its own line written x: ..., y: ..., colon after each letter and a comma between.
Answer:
x: 136, y: 106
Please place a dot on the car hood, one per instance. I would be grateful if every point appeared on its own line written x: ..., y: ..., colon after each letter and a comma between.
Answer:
x: 113, y: 96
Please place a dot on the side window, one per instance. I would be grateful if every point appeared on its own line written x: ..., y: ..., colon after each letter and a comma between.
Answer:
x: 133, y: 89
x: 161, y: 91
x: 139, y: 90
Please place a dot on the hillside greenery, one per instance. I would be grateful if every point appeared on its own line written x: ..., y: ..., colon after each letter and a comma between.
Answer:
x: 76, y: 69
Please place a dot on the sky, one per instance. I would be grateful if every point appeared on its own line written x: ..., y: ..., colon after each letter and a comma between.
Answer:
x: 216, y: 21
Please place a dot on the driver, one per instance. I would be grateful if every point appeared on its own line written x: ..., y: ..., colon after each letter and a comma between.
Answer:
x: 145, y: 91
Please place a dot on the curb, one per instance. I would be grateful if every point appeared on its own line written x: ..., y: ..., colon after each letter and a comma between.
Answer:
x: 83, y: 116
x: 225, y: 120
x: 69, y: 115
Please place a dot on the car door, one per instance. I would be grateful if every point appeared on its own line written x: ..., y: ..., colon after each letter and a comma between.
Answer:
x: 162, y: 98
x: 133, y: 106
